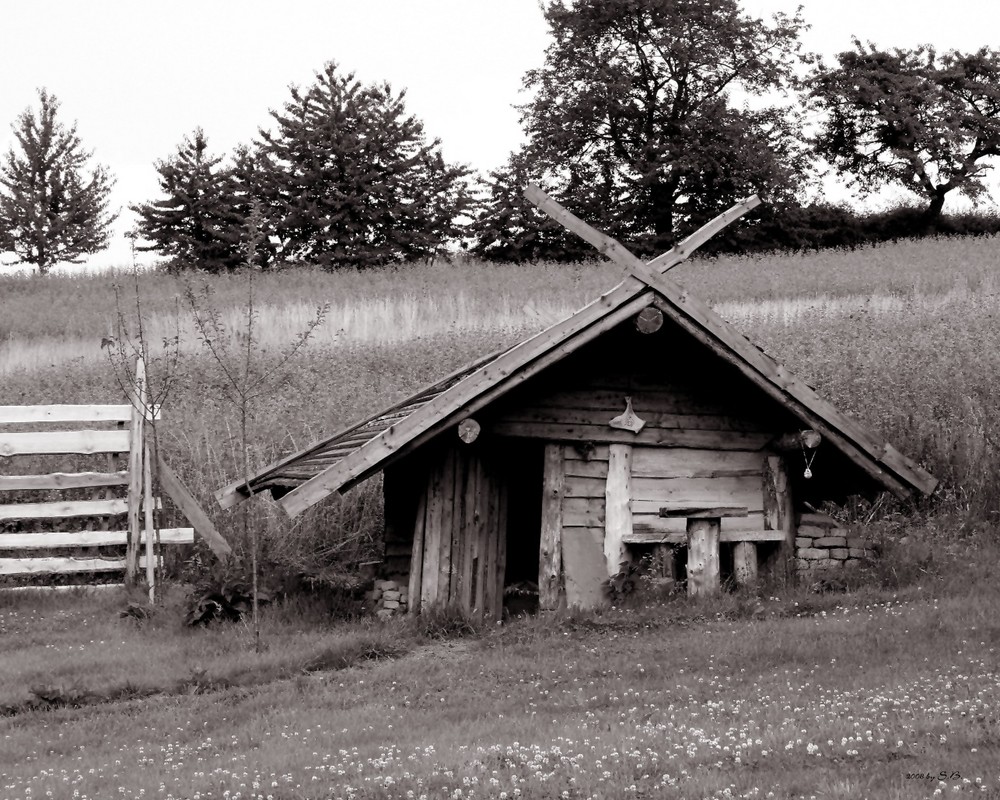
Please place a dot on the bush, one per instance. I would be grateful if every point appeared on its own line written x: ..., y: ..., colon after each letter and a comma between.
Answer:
x: 821, y: 226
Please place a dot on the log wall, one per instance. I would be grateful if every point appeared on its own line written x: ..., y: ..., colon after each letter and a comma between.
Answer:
x: 703, y: 444
x: 458, y: 550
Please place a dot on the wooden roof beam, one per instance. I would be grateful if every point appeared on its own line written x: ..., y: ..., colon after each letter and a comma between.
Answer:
x: 463, y: 396
x: 705, y: 325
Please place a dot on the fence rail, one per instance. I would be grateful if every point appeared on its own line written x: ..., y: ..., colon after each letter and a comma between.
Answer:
x: 114, y: 493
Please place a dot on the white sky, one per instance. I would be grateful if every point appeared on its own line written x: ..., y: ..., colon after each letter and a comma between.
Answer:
x: 138, y: 76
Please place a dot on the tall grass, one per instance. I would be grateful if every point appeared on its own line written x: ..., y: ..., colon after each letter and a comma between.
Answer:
x: 904, y: 337
x: 400, y: 303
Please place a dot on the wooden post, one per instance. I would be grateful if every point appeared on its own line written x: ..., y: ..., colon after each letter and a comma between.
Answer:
x: 149, y: 528
x: 432, y: 538
x: 779, y: 515
x: 171, y: 484
x: 703, y: 556
x: 617, y: 506
x: 135, y: 472
x: 745, y: 563
x: 417, y: 556
x: 503, y: 499
x: 447, y: 501
x: 475, y: 519
x: 550, y: 546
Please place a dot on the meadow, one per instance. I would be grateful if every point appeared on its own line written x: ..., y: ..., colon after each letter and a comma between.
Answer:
x: 913, y: 320
x: 889, y: 691
x: 888, y: 695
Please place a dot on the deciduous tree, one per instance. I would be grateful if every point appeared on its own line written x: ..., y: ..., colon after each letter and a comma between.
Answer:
x: 53, y: 206
x: 635, y: 119
x: 911, y: 118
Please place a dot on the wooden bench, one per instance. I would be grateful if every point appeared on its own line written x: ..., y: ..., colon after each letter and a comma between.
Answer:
x: 704, y: 527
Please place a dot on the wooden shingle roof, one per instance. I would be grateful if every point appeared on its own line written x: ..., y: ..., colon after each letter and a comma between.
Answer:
x: 341, y: 461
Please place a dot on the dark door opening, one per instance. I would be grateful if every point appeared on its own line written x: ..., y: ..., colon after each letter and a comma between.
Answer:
x: 523, y: 473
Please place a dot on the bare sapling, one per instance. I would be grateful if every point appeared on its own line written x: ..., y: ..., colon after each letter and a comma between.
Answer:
x: 246, y: 378
x: 146, y: 376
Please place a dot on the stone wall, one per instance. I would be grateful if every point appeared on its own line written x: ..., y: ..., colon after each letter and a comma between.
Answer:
x: 388, y: 598
x: 822, y: 546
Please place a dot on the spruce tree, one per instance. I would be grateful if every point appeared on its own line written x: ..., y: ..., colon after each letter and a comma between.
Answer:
x: 350, y: 180
x: 196, y: 224
x: 509, y: 228
x: 52, y: 207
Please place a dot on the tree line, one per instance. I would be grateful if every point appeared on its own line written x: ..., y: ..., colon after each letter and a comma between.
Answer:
x: 647, y: 118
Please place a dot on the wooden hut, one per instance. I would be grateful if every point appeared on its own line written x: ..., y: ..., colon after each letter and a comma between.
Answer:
x: 642, y: 424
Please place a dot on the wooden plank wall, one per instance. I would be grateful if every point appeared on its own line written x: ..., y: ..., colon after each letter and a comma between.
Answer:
x: 458, y: 555
x: 704, y: 442
x: 673, y: 416
x: 690, y: 478
x: 583, y: 489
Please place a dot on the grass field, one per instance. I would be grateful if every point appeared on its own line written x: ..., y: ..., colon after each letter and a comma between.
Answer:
x: 877, y: 693
x: 914, y: 320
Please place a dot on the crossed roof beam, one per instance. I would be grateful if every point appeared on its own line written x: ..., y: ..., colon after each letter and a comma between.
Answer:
x: 645, y: 283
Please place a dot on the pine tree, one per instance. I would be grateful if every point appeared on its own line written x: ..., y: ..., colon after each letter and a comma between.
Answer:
x: 350, y: 180
x: 509, y: 228
x: 52, y: 208
x: 197, y: 224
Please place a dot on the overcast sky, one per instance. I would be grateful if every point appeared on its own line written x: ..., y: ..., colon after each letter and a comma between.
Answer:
x: 138, y: 76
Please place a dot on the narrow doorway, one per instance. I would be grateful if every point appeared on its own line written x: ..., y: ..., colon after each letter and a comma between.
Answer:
x: 523, y: 472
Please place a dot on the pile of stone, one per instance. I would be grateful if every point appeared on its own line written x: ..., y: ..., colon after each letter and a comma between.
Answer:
x: 388, y: 598
x: 821, y: 544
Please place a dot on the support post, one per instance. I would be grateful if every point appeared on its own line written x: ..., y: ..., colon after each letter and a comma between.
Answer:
x: 135, y: 473
x: 149, y: 526
x: 550, y: 545
x: 617, y: 506
x: 703, y: 556
x: 417, y: 556
x: 779, y: 515
x: 745, y: 563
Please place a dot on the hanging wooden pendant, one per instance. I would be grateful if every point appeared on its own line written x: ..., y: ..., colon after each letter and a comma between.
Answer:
x: 628, y: 421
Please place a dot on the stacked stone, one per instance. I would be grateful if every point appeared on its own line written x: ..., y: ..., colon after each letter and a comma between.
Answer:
x: 389, y: 598
x: 821, y: 544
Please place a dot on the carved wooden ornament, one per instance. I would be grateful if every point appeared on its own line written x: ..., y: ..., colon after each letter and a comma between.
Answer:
x: 628, y: 421
x: 468, y: 430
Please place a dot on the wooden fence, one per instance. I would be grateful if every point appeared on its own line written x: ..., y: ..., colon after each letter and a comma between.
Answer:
x: 76, y: 480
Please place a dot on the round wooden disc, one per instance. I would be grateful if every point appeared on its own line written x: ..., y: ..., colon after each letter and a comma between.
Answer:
x: 649, y: 320
x: 468, y: 430
x: 811, y: 439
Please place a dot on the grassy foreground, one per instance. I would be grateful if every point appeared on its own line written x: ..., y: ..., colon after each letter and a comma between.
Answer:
x: 874, y: 694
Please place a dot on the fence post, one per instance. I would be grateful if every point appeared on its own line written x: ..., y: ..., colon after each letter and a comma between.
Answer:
x: 135, y: 473
x: 148, y: 509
